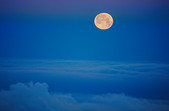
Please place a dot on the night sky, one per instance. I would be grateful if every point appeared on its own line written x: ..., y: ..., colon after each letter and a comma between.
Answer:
x: 54, y: 58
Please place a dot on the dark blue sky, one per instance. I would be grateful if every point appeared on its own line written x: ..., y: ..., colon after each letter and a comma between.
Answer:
x: 52, y: 57
x: 49, y: 31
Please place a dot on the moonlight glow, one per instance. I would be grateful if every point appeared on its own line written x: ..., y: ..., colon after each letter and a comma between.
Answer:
x: 103, y: 21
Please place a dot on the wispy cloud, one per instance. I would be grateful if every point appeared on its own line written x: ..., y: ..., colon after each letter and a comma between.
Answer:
x: 36, y: 97
x: 86, y: 68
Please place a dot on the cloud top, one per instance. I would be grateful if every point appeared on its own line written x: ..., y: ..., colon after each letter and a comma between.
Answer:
x: 36, y: 97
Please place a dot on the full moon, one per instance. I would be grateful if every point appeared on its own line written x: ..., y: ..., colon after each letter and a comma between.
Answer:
x: 103, y: 21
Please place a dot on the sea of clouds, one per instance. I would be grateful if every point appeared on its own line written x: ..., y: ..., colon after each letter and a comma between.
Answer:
x: 36, y: 97
x: 32, y: 96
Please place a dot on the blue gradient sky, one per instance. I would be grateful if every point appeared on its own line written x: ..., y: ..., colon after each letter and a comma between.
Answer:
x: 65, y: 30
x: 52, y: 57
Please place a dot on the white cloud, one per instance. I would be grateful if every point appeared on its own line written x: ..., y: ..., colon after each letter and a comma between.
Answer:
x: 36, y: 97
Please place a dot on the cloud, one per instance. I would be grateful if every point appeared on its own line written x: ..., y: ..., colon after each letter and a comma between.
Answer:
x: 36, y: 97
x: 86, y: 68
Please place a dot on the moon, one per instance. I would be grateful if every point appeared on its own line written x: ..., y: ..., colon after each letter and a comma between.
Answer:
x: 103, y: 21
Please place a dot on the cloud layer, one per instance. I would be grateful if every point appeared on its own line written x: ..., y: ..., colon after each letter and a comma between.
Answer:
x: 36, y: 97
x: 146, y: 80
x: 86, y: 68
